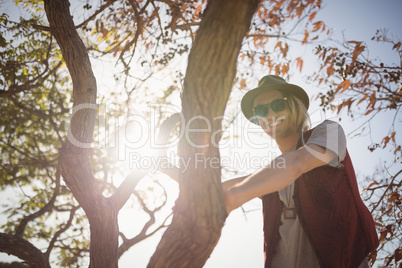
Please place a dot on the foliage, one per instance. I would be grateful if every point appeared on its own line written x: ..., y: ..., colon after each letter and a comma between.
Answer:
x: 368, y: 88
x: 35, y: 100
x: 278, y: 29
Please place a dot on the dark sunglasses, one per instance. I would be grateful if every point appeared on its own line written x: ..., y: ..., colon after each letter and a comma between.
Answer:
x: 277, y: 105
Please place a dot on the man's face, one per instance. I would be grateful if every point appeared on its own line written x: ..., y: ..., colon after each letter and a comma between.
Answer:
x: 275, y: 123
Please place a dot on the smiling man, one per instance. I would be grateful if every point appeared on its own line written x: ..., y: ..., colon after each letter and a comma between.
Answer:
x: 313, y: 213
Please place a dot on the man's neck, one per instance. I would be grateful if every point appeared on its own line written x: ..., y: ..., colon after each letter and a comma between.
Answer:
x: 288, y: 143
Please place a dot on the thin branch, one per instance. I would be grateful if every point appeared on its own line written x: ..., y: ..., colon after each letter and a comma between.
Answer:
x: 123, y: 192
x: 21, y: 227
x: 363, y: 123
x: 187, y: 26
x: 61, y: 230
x: 386, y: 190
x: 265, y: 35
x: 41, y: 27
x: 97, y: 12
x: 137, y: 34
x: 128, y: 243
x: 14, y: 89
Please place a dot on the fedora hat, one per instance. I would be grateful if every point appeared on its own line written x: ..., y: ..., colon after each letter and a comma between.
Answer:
x: 268, y: 83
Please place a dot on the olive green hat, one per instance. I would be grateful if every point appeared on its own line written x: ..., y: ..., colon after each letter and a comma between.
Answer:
x: 267, y: 83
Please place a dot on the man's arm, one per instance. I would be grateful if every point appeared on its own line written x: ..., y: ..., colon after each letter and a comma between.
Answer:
x: 173, y: 172
x: 278, y: 174
x: 232, y: 182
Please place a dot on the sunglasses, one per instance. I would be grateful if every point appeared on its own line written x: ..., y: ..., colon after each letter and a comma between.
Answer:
x: 277, y: 105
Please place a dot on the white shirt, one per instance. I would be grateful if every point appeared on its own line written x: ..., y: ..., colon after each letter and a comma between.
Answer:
x: 294, y: 249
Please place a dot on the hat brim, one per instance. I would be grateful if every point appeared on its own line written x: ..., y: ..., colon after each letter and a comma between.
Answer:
x: 247, y: 102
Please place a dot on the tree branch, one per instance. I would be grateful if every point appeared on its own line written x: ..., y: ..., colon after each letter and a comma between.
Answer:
x: 123, y: 192
x: 21, y: 227
x: 386, y: 190
x: 128, y: 243
x: 96, y: 13
x: 61, y: 230
x: 24, y: 250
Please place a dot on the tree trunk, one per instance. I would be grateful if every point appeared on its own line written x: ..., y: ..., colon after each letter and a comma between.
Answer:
x: 101, y: 212
x: 74, y: 156
x: 200, y: 210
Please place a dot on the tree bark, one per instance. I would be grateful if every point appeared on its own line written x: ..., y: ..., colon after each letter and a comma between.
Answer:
x: 200, y: 210
x: 74, y: 156
x: 24, y: 250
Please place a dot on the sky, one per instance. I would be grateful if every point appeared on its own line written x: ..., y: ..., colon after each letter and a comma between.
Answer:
x: 241, y: 243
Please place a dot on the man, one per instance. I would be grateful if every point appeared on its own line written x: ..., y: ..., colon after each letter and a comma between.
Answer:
x: 313, y: 213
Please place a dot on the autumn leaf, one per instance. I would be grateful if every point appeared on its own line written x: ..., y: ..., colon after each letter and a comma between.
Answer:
x: 394, y: 196
x: 363, y: 99
x: 318, y: 25
x: 312, y: 16
x: 397, y: 46
x: 349, y: 103
x: 257, y: 42
x: 356, y: 52
x: 279, y: 4
x: 262, y: 12
x: 398, y: 254
x: 277, y: 69
x: 306, y: 34
x: 104, y: 32
x: 198, y: 10
x: 378, y: 224
x: 355, y: 42
x: 392, y: 136
x: 344, y: 85
x: 243, y: 83
x: 369, y: 112
x: 383, y: 234
x: 279, y: 44
x: 385, y: 141
x: 299, y: 63
x: 262, y: 60
x: 372, y: 184
x: 285, y: 69
x: 285, y: 50
x: 373, y: 100
x: 330, y: 69
x: 388, y: 229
